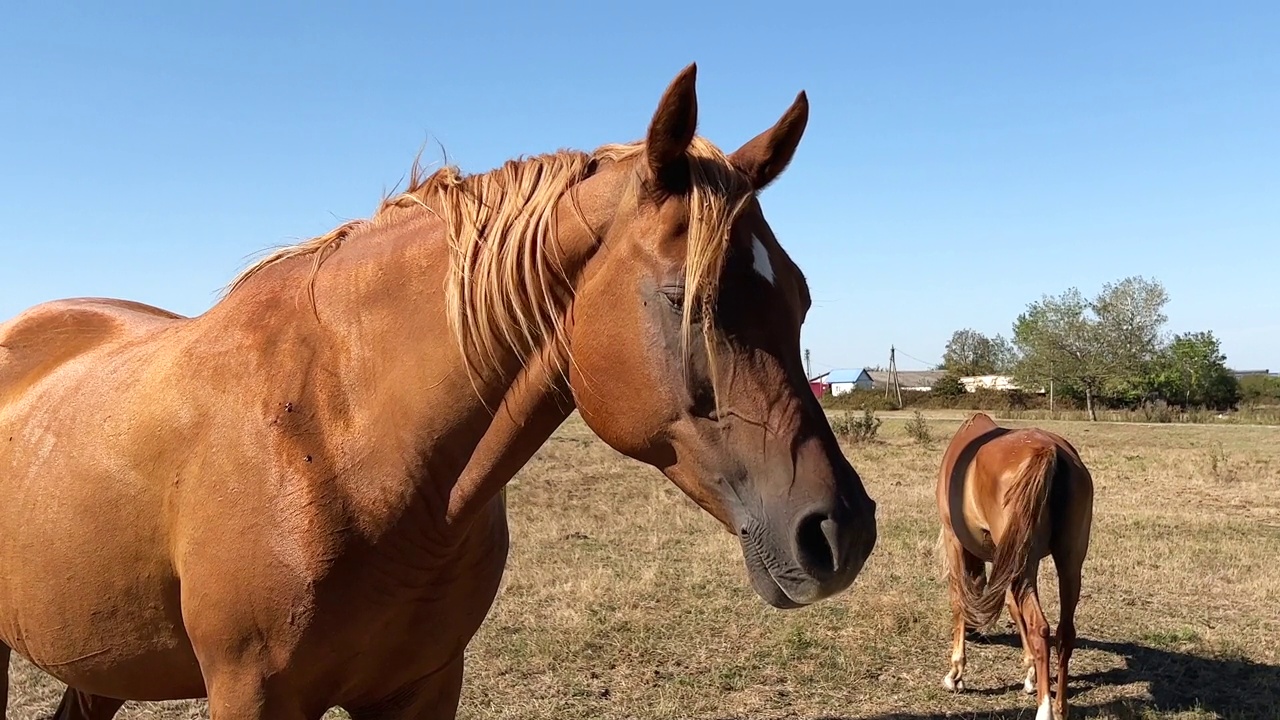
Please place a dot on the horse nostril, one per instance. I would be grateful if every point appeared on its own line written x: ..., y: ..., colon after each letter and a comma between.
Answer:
x: 817, y: 545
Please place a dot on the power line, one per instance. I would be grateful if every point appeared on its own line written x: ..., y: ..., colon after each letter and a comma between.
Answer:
x: 922, y: 362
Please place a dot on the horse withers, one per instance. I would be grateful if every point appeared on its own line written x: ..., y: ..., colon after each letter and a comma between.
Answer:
x: 1012, y: 497
x: 293, y: 501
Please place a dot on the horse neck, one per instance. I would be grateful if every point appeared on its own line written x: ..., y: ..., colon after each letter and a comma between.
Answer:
x: 379, y: 319
x: 538, y: 399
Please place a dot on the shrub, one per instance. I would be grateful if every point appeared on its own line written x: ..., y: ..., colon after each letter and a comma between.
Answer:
x: 1220, y: 464
x: 857, y: 430
x: 1157, y: 412
x: 948, y: 386
x: 858, y: 400
x: 1018, y: 400
x: 1260, y: 390
x: 918, y: 428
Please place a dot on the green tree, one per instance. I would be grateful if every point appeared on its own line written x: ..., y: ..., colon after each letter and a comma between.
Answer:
x: 1055, y: 339
x: 1092, y: 346
x: 1260, y: 389
x: 1131, y: 319
x: 1192, y: 372
x: 969, y: 352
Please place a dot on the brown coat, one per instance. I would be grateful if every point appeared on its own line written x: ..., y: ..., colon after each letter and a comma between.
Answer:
x: 1012, y: 497
x: 292, y: 501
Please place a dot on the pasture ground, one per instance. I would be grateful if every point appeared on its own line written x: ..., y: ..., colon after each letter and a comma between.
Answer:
x: 623, y: 600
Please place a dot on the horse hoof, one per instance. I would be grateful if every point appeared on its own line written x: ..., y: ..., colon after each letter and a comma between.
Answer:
x: 952, y: 685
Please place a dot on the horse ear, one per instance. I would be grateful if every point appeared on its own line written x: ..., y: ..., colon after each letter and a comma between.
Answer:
x: 674, y: 123
x: 766, y: 155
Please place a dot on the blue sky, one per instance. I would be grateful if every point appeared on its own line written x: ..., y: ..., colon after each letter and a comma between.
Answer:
x: 959, y: 163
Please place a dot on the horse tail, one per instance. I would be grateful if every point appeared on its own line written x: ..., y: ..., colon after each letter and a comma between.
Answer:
x: 1024, y: 503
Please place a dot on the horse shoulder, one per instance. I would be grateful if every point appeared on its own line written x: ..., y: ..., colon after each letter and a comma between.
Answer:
x: 954, y: 487
x: 46, y: 336
x: 969, y: 432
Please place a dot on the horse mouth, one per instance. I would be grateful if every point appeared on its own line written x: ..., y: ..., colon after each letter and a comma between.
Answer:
x: 763, y: 580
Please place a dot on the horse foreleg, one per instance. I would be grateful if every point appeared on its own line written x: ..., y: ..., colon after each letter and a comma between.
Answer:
x: 1038, y: 640
x: 245, y: 691
x: 77, y: 705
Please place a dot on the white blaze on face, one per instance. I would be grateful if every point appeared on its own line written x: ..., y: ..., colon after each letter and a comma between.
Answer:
x: 760, y: 254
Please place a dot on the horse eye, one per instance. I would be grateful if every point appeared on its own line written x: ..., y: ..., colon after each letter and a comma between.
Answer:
x: 674, y: 296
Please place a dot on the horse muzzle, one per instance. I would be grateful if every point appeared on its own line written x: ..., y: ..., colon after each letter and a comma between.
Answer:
x: 817, y: 556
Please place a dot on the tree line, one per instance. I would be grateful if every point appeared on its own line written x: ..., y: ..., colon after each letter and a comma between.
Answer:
x: 1111, y: 349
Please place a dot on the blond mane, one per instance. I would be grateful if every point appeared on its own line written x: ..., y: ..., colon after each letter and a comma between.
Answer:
x: 506, y: 289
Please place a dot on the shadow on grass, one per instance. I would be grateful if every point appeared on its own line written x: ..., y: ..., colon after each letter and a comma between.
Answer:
x: 1221, y: 687
x: 1124, y: 709
x: 1225, y: 687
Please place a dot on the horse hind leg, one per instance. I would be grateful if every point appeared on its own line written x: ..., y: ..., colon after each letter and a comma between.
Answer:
x: 1037, y: 639
x: 1068, y: 558
x: 78, y: 705
x: 4, y: 680
x: 1028, y: 660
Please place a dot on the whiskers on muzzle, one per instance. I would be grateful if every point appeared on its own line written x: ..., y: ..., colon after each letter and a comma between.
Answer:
x: 818, y: 557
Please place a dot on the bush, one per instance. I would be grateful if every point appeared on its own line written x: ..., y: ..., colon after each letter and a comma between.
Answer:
x: 857, y: 430
x: 860, y: 399
x: 918, y: 428
x: 1220, y: 466
x: 1199, y: 415
x: 1017, y: 400
x: 1157, y: 412
x: 948, y: 386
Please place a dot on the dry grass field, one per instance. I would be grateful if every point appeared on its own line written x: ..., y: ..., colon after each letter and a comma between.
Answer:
x: 623, y: 600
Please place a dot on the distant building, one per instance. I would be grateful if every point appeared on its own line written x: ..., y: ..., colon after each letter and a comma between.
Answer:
x: 839, y: 382
x: 910, y: 380
x: 819, y: 385
x: 1241, y: 374
x: 973, y: 383
x: 844, y: 381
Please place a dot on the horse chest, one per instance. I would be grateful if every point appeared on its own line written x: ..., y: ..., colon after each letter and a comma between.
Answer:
x: 388, y: 620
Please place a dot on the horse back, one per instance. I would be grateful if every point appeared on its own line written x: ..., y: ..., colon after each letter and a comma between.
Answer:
x: 981, y: 465
x: 47, y: 336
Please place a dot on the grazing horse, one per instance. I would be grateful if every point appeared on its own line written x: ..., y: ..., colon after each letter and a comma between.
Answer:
x: 1012, y: 497
x: 293, y: 501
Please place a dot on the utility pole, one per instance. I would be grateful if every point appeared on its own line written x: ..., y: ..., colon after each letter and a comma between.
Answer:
x: 893, y: 377
x: 808, y: 368
x: 1051, y: 385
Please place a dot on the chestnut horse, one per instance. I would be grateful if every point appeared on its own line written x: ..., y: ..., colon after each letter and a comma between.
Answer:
x: 1012, y: 497
x: 293, y: 501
